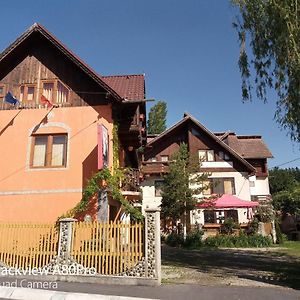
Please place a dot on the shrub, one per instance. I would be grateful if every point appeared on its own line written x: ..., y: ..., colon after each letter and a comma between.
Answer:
x: 194, y: 239
x: 265, y: 213
x: 230, y: 241
x: 279, y: 235
x: 228, y: 226
x: 174, y: 240
x: 253, y: 226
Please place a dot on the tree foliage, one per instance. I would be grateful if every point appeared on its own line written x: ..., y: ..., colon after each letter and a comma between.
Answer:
x: 273, y: 28
x: 157, y: 118
x: 285, y: 190
x: 181, y: 184
x: 282, y: 180
x: 288, y: 202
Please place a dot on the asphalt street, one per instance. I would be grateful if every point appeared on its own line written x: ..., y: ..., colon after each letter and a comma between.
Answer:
x: 174, y: 292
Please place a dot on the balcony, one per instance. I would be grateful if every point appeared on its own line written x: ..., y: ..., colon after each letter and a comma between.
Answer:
x: 261, y: 199
x: 32, y: 105
x: 130, y: 185
x: 155, y: 167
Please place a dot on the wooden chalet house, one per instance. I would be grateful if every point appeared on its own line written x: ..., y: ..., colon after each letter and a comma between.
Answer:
x: 237, y: 168
x: 59, y: 131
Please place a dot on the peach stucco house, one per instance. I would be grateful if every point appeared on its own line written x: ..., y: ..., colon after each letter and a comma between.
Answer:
x: 49, y: 152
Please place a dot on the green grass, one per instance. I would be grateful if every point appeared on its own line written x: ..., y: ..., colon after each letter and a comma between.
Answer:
x: 290, y: 248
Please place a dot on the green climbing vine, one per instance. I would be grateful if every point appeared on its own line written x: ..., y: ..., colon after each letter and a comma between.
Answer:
x: 116, y: 147
x: 112, y: 184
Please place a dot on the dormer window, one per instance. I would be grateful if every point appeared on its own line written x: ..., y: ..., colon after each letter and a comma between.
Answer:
x: 206, y: 155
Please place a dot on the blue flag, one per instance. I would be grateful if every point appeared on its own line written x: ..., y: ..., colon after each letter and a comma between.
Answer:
x: 9, y: 98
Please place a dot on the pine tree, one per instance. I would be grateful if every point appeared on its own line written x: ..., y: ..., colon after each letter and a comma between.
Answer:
x: 181, y: 185
x: 157, y: 118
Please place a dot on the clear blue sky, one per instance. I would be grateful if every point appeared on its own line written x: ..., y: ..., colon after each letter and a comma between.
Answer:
x: 187, y: 49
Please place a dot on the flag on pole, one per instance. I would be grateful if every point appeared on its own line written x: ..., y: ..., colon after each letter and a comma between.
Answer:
x: 9, y: 98
x: 46, y: 102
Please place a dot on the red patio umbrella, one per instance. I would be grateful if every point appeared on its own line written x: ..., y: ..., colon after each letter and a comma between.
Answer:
x: 227, y: 201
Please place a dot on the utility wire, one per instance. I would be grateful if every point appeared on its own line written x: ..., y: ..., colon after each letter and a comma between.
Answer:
x: 24, y: 167
x: 285, y: 163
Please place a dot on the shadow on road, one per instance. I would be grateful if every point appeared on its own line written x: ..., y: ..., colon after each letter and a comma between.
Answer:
x: 263, y: 266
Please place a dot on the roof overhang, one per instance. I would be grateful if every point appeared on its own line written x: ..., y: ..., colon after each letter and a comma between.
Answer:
x: 187, y: 118
x: 38, y: 29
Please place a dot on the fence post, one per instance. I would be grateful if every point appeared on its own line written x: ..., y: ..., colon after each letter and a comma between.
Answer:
x: 152, y: 243
x: 65, y: 238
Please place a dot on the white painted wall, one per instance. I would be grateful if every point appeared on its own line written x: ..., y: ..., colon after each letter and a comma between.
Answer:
x: 241, y: 183
x: 261, y: 186
x: 148, y: 190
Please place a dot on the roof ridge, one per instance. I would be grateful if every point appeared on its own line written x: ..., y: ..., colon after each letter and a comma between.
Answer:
x: 65, y: 50
x: 119, y: 75
x: 188, y: 116
x: 241, y: 136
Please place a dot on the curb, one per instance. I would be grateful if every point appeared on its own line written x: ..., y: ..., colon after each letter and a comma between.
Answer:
x: 37, y: 294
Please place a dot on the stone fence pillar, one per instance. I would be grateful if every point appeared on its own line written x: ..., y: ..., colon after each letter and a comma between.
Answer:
x: 65, y: 238
x: 152, y: 243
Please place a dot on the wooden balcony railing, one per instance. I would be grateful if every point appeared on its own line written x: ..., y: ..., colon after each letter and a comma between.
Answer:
x: 156, y: 167
x: 261, y: 198
x: 5, y: 106
x: 131, y: 180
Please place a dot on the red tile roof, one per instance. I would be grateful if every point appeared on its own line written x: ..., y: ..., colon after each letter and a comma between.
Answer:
x: 130, y: 87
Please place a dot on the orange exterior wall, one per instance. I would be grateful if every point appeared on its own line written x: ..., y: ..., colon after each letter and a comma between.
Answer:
x: 42, y: 195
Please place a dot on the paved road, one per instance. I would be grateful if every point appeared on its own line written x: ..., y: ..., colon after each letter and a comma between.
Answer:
x: 179, y: 291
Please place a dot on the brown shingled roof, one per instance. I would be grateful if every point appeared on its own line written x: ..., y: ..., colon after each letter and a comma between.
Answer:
x: 223, y: 144
x: 130, y: 87
x: 248, y: 146
x: 253, y: 147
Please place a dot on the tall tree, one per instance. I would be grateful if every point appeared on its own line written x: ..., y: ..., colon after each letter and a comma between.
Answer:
x: 282, y: 180
x: 285, y: 190
x: 157, y: 118
x: 273, y: 30
x: 181, y: 185
x: 288, y: 202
